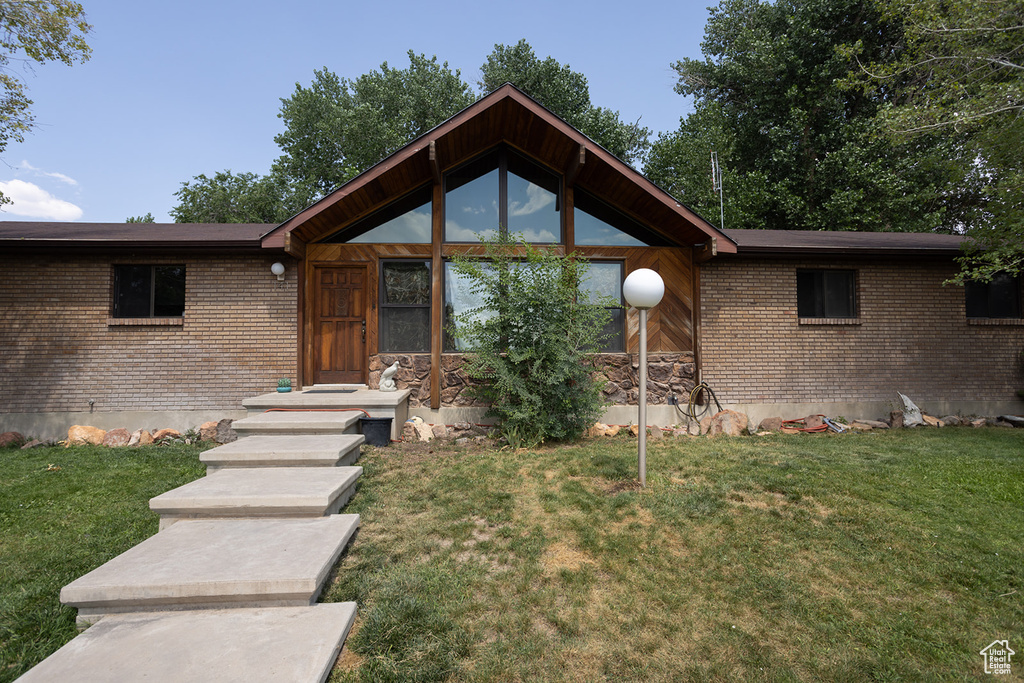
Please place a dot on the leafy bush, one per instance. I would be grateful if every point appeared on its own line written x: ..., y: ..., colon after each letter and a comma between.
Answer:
x: 530, y: 340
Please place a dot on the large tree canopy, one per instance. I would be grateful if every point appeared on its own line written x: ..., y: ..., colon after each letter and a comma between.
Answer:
x: 336, y: 128
x: 797, y: 149
x: 37, y: 31
x: 961, y: 75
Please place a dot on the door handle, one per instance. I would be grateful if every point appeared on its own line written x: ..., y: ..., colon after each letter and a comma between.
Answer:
x: 364, y: 331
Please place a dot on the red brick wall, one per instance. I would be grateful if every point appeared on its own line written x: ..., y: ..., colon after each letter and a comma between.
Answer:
x: 59, y: 348
x: 912, y: 335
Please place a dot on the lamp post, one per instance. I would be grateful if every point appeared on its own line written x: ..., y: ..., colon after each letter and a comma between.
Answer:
x: 643, y: 289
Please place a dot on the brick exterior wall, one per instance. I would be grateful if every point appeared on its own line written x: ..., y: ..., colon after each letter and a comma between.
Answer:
x: 59, y: 347
x: 911, y: 335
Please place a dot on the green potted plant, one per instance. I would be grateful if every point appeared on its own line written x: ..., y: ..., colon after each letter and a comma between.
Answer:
x: 284, y: 385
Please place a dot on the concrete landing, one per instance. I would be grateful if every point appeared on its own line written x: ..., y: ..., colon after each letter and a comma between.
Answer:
x: 262, y: 492
x: 271, y: 644
x: 201, y: 564
x: 393, y: 404
x: 299, y: 422
x: 326, y: 450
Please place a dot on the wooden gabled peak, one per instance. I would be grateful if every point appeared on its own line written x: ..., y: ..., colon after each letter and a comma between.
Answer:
x: 506, y: 116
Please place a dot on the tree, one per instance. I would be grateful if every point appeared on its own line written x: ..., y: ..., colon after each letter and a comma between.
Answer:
x: 233, y: 198
x: 567, y: 94
x: 37, y: 31
x: 530, y: 340
x: 337, y: 128
x: 148, y: 218
x: 961, y: 75
x: 797, y: 149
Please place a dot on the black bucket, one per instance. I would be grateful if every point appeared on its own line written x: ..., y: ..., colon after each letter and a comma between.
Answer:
x: 376, y: 430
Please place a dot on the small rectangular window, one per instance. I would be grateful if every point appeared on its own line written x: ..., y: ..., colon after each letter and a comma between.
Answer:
x: 997, y: 298
x: 149, y: 291
x: 605, y: 279
x: 405, y: 307
x: 826, y: 293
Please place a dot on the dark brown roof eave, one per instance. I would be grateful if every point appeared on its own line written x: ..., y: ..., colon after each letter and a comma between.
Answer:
x: 57, y: 245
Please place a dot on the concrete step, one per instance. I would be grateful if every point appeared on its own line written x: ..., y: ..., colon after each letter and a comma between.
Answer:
x: 246, y: 493
x: 226, y: 645
x: 325, y: 450
x: 203, y: 564
x: 298, y: 422
x: 393, y: 404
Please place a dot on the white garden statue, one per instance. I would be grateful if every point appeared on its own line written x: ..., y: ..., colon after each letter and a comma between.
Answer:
x: 387, y: 378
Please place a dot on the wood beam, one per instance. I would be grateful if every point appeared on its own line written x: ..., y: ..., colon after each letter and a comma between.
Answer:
x: 707, y: 251
x: 293, y: 246
x: 435, y: 163
x: 575, y: 166
x: 436, y: 290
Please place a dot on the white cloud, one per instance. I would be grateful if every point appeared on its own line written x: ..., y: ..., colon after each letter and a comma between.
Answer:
x: 48, y: 174
x: 35, y: 202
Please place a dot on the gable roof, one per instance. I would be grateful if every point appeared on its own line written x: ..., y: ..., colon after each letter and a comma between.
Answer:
x: 507, y: 116
x: 134, y: 236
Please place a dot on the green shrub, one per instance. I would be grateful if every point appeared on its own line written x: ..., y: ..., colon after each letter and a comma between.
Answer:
x: 531, y: 339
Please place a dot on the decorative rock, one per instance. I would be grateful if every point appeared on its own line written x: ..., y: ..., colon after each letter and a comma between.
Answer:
x: 409, y: 431
x: 705, y: 425
x: 1014, y: 420
x: 424, y: 431
x: 208, y: 431
x: 932, y: 421
x: 728, y: 422
x: 813, y: 422
x: 896, y: 419
x: 440, y: 431
x: 770, y: 424
x: 911, y: 413
x: 980, y: 422
x: 416, y: 420
x: 871, y: 424
x: 612, y: 430
x: 634, y: 430
x: 34, y: 443
x: 598, y: 429
x: 225, y: 432
x: 693, y: 429
x: 79, y: 435
x: 117, y: 437
x: 859, y: 426
x: 996, y: 422
x: 140, y: 437
x: 952, y: 421
x: 656, y: 432
x: 162, y: 434
x: 11, y: 439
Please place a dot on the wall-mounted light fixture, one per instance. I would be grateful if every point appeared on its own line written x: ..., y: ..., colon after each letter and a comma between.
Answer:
x: 278, y: 270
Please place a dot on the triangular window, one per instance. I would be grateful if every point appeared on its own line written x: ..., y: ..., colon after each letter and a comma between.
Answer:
x: 599, y: 225
x: 406, y: 221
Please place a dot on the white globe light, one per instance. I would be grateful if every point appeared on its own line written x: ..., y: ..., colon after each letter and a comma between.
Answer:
x: 277, y: 269
x: 643, y: 288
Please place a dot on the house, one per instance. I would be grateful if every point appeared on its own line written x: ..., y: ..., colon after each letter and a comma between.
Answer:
x: 179, y: 323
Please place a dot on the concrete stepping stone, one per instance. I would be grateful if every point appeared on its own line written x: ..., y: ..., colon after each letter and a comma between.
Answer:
x: 297, y: 644
x: 299, y: 422
x: 325, y: 450
x: 199, y: 564
x: 261, y: 492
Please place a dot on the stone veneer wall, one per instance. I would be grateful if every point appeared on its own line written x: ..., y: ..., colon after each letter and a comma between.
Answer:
x: 59, y: 348
x: 668, y: 373
x: 911, y: 335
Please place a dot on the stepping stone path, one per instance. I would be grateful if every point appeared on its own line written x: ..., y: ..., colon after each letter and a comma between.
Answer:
x: 226, y: 590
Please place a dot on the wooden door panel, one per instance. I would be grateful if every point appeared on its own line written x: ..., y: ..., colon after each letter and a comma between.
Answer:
x: 340, y: 305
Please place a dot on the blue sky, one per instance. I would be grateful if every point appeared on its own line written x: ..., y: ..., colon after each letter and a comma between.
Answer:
x: 175, y: 89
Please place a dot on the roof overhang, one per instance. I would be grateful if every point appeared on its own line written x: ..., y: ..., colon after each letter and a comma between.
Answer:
x: 132, y: 237
x: 506, y: 116
x: 848, y: 244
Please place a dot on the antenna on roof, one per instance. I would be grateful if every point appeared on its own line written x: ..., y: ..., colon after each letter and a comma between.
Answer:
x: 716, y: 185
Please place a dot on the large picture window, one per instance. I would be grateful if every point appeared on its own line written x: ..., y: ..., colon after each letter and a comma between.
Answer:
x: 502, y: 191
x: 997, y: 298
x: 605, y: 280
x: 149, y: 291
x: 826, y: 293
x: 405, y: 307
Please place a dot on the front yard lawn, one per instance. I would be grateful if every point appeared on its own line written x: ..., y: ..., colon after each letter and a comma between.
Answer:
x: 880, y: 556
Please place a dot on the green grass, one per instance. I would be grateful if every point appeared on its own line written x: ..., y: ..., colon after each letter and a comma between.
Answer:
x: 64, y: 512
x: 882, y: 556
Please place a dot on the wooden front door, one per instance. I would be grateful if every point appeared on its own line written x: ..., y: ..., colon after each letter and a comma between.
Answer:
x: 339, y: 324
